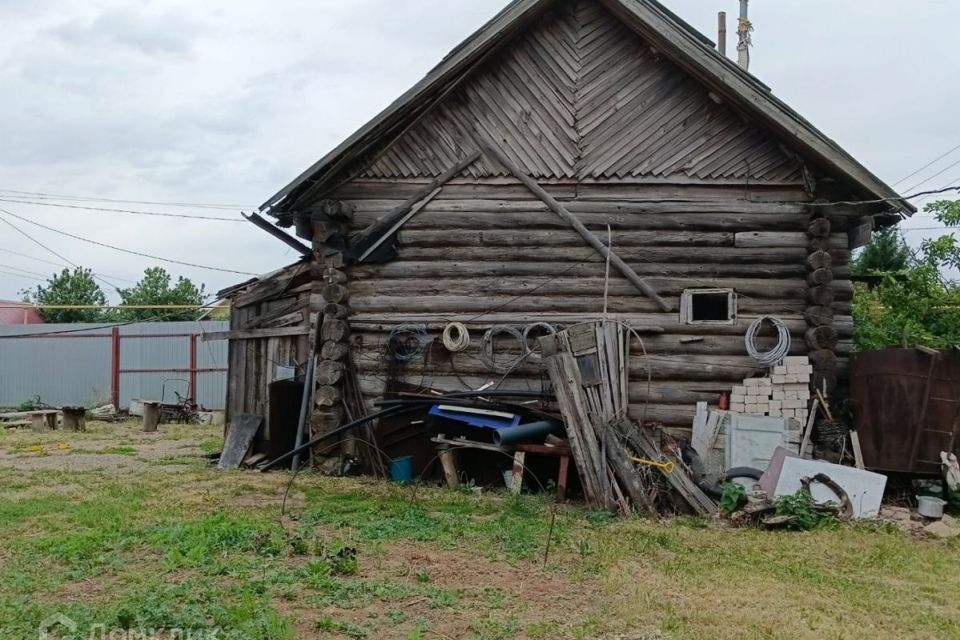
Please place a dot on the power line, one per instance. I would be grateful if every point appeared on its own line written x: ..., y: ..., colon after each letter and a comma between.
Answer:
x: 53, y: 196
x: 21, y: 276
x: 37, y: 242
x: 936, y: 175
x: 108, y: 210
x: 43, y: 246
x: 926, y: 166
x: 933, y: 192
x: 32, y: 273
x: 60, y: 265
x: 29, y: 257
x: 135, y: 253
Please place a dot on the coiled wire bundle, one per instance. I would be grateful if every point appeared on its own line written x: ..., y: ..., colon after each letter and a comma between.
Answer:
x: 547, y: 328
x: 779, y: 352
x: 456, y: 337
x: 407, y: 341
x: 487, y: 352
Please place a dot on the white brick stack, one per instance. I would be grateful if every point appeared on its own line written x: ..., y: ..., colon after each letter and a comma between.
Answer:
x: 786, y: 393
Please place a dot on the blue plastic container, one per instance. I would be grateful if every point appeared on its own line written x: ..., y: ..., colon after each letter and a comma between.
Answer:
x: 401, y: 469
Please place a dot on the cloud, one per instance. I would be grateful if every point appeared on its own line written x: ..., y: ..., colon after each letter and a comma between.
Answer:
x: 148, y: 34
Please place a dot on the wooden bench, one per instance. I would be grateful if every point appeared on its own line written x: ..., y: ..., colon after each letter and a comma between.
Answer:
x: 44, y: 420
x: 74, y: 418
x: 520, y: 459
x: 447, y: 448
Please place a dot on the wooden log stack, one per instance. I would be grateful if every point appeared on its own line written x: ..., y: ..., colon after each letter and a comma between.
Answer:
x: 822, y: 337
x: 332, y: 350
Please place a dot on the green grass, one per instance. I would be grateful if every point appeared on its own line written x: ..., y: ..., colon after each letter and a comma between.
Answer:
x: 202, y: 549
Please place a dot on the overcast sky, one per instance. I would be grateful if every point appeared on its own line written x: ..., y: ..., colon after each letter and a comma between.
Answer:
x: 226, y: 101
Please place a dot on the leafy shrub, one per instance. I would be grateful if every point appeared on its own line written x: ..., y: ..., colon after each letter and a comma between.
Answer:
x: 733, y: 498
x: 803, y: 511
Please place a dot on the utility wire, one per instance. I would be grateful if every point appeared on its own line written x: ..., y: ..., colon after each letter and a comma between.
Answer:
x: 52, y: 196
x: 108, y: 210
x: 60, y: 265
x: 35, y: 241
x: 926, y: 166
x: 29, y: 257
x: 22, y: 276
x: 43, y: 246
x: 135, y: 253
x: 936, y: 175
x: 32, y: 273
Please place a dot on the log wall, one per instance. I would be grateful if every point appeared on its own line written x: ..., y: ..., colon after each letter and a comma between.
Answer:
x: 487, y: 253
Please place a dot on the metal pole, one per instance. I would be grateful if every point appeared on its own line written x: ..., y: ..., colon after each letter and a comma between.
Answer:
x: 744, y: 29
x: 304, y: 411
x: 115, y: 367
x: 306, y: 405
x: 722, y: 31
x: 193, y: 367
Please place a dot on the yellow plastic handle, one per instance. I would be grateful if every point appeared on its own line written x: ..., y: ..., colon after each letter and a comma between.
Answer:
x: 668, y: 467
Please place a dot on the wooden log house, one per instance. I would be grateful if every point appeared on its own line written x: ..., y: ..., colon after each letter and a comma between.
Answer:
x: 488, y: 192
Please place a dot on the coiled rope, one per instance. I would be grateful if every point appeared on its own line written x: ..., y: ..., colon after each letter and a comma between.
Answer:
x: 779, y: 352
x: 407, y: 341
x: 456, y: 337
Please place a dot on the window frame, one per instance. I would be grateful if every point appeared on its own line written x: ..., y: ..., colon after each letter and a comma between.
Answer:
x: 686, y: 306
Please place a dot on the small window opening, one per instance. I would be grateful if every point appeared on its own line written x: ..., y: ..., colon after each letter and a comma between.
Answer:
x: 709, y: 306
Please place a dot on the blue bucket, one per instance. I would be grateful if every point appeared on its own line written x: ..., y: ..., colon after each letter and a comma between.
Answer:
x: 401, y: 470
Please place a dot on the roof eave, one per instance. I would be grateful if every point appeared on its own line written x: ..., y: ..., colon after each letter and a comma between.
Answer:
x: 511, y: 19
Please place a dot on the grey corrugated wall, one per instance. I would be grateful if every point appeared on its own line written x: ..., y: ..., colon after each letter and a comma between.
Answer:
x: 71, y: 369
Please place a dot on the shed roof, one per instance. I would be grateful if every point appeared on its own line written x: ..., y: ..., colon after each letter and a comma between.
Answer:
x: 676, y: 39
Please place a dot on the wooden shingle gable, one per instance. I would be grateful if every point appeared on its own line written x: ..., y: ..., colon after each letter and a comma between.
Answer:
x: 580, y: 96
x: 419, y: 133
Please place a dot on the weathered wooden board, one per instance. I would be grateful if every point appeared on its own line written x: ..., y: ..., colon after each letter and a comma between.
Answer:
x: 243, y: 429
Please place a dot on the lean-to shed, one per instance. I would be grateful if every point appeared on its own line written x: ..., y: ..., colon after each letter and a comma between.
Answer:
x: 485, y: 193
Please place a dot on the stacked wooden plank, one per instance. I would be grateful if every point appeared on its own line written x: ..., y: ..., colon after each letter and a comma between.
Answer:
x: 588, y: 365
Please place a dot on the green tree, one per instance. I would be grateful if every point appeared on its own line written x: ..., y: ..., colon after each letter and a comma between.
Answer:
x: 68, y: 287
x: 887, y: 254
x: 919, y: 305
x: 157, y: 289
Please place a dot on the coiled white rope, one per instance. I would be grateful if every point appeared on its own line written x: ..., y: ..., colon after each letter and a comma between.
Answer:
x: 456, y: 337
x: 779, y: 352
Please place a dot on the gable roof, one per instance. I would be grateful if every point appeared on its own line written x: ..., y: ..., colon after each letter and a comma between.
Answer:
x: 663, y: 29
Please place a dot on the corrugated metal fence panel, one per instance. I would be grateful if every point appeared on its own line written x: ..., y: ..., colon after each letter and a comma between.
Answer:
x: 212, y: 386
x: 150, y: 351
x: 61, y: 370
x: 71, y: 368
